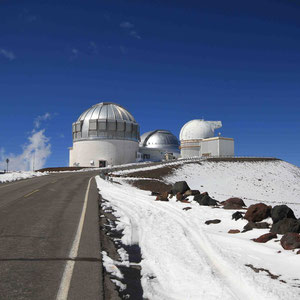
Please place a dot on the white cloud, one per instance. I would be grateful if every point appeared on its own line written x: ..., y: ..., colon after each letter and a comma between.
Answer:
x: 39, y: 119
x: 93, y: 47
x: 7, y: 54
x: 34, y: 155
x: 135, y: 34
x: 75, y: 53
x: 126, y: 25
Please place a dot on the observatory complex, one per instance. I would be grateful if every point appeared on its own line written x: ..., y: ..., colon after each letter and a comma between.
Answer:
x: 107, y: 134
x: 197, y: 139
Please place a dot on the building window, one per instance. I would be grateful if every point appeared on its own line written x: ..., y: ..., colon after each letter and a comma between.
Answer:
x: 146, y: 156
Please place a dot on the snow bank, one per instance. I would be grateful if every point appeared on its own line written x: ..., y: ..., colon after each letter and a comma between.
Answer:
x: 14, y: 176
x: 182, y: 258
x: 273, y: 182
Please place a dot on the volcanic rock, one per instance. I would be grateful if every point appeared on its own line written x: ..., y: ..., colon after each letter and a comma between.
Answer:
x: 180, y: 187
x: 191, y: 193
x: 237, y: 215
x: 280, y: 212
x: 286, y: 225
x: 252, y: 225
x: 179, y: 196
x: 204, y: 199
x: 233, y: 203
x: 290, y: 241
x: 265, y: 237
x: 234, y: 231
x: 216, y: 221
x: 258, y: 212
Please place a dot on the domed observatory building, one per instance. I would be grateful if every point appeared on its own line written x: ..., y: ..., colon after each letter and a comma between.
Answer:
x: 158, y: 145
x: 197, y: 140
x: 105, y: 134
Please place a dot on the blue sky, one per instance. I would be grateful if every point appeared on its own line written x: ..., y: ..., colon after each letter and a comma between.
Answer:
x: 167, y: 62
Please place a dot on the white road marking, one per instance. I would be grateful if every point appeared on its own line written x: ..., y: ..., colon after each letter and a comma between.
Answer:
x: 64, y: 287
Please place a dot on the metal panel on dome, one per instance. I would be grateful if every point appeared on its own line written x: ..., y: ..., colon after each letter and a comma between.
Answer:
x: 103, y: 112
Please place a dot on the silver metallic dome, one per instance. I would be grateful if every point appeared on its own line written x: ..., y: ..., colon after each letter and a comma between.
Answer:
x: 106, y: 120
x: 160, y: 139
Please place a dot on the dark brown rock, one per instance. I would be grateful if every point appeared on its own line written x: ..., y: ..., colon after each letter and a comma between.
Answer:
x: 280, y: 212
x: 298, y: 252
x: 258, y: 212
x: 180, y: 187
x: 252, y: 225
x: 290, y: 241
x: 205, y: 199
x: 191, y: 193
x: 216, y: 221
x: 155, y: 193
x: 233, y: 203
x: 179, y: 196
x: 286, y: 225
x: 265, y: 237
x: 232, y: 231
x: 187, y: 208
x: 161, y: 198
x: 165, y: 195
x: 237, y: 215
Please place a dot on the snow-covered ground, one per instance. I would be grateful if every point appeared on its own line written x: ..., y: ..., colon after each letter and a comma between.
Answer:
x: 14, y: 176
x: 182, y: 258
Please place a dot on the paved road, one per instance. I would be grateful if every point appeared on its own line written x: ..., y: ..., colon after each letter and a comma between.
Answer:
x: 39, y: 221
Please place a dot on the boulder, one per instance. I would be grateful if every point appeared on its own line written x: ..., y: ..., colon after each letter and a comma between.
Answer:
x: 237, y: 215
x: 204, y: 199
x: 280, y: 212
x: 265, y: 237
x: 163, y: 197
x: 252, y: 225
x: 191, y: 193
x: 258, y: 212
x: 233, y: 203
x: 180, y: 187
x: 179, y: 196
x: 234, y: 231
x: 215, y: 221
x: 155, y: 193
x: 290, y: 241
x: 286, y: 225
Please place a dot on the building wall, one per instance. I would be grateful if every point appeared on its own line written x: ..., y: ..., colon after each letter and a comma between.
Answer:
x: 216, y: 146
x: 156, y: 154
x: 226, y: 147
x: 114, y: 152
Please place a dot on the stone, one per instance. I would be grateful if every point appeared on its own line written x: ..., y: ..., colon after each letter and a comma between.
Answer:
x: 179, y: 196
x: 162, y: 197
x: 237, y: 215
x: 298, y: 252
x: 258, y: 212
x: 290, y: 241
x: 187, y: 208
x: 180, y: 187
x: 286, y: 225
x: 233, y: 203
x: 165, y: 195
x: 215, y: 221
x: 232, y: 231
x: 204, y: 199
x: 280, y: 212
x: 155, y: 193
x: 265, y: 237
x: 191, y: 193
x: 252, y: 225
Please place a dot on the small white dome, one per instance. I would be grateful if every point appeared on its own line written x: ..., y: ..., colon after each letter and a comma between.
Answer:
x: 199, y: 129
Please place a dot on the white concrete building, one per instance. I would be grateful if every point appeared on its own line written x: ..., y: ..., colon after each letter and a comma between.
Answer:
x: 197, y: 139
x: 105, y: 134
x: 158, y: 145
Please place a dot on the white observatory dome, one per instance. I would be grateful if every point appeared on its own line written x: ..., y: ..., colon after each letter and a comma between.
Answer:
x: 198, y: 129
x: 160, y: 139
x: 105, y: 134
x: 106, y: 120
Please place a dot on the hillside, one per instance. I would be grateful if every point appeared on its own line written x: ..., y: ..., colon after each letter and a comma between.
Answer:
x: 181, y: 256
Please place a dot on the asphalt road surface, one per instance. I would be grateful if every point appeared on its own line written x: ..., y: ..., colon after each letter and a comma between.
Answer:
x: 49, y: 238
